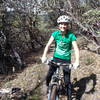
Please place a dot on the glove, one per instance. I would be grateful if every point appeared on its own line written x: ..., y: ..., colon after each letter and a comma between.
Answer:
x: 44, y: 59
x: 76, y: 65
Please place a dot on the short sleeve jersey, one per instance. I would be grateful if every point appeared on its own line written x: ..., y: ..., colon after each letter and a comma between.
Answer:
x: 63, y: 44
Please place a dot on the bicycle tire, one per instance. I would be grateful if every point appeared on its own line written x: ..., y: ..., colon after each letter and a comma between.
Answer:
x: 52, y: 94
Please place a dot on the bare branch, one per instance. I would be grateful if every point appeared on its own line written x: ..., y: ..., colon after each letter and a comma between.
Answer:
x: 88, y: 29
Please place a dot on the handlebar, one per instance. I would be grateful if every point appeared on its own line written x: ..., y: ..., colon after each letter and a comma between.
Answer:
x: 48, y: 62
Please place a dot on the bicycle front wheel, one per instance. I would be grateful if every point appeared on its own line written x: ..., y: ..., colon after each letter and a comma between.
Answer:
x: 53, y: 93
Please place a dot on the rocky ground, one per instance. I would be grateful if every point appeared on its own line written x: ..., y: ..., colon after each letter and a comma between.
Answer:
x: 30, y: 82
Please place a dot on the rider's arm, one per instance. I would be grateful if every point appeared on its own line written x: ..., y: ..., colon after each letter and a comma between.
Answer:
x: 47, y: 46
x: 76, y: 49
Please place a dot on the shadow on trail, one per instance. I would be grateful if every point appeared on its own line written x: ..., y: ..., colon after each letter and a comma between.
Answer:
x: 83, y: 86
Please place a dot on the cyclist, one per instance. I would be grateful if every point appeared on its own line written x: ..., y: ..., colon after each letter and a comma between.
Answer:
x: 64, y: 40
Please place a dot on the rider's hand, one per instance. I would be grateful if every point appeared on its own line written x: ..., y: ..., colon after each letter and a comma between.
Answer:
x: 44, y: 59
x: 76, y: 65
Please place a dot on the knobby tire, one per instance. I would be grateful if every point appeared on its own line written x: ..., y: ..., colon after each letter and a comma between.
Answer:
x: 53, y: 93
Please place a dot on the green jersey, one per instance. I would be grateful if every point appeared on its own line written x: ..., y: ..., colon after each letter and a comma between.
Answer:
x: 63, y: 44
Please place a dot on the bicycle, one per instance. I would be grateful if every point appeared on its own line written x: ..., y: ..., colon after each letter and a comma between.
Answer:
x: 57, y: 85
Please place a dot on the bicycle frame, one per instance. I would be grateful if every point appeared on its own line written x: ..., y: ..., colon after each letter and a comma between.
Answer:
x: 57, y: 82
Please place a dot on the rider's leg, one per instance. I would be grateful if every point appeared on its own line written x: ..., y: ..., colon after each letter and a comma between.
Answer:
x: 69, y: 90
x: 67, y: 73
x: 51, y: 70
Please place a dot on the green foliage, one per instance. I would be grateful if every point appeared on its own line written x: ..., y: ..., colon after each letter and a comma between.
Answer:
x: 16, y: 22
x: 92, y: 12
x: 43, y: 24
x: 36, y: 95
x: 98, y: 32
x: 92, y: 17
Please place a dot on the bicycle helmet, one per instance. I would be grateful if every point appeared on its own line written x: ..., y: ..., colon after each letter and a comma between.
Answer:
x: 63, y: 18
